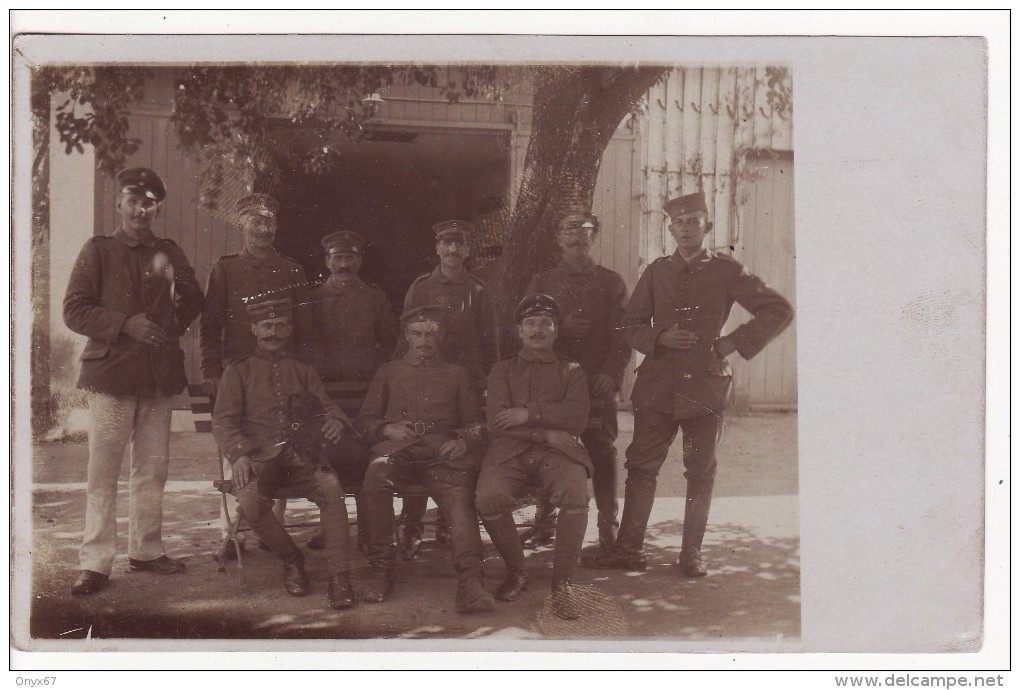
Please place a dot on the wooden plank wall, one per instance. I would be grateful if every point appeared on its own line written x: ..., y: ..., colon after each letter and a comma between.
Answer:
x: 203, y: 237
x: 705, y: 129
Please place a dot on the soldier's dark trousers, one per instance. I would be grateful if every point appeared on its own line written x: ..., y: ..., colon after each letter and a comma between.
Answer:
x: 283, y: 478
x: 566, y: 482
x: 599, y: 439
x: 453, y: 490
x: 654, y: 433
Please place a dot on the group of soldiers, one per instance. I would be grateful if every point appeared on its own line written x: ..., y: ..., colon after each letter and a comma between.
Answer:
x: 442, y: 409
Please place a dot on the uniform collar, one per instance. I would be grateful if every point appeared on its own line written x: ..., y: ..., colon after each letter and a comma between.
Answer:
x: 130, y: 241
x: 337, y: 289
x: 270, y: 356
x: 252, y: 259
x: 415, y: 361
x: 564, y: 267
x: 539, y: 356
x: 443, y: 278
x: 695, y: 264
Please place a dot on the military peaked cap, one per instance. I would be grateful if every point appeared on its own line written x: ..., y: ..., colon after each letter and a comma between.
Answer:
x: 688, y: 203
x: 453, y: 230
x: 141, y: 181
x: 260, y: 310
x: 343, y: 241
x: 582, y: 219
x: 537, y: 304
x: 258, y: 205
x: 428, y: 312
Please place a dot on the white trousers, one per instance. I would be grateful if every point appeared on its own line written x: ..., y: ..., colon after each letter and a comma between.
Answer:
x: 117, y: 422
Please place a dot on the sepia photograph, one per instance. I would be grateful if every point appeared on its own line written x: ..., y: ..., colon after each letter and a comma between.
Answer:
x: 491, y: 344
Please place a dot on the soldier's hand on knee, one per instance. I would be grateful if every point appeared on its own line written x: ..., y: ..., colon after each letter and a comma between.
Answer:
x: 399, y: 431
x: 140, y: 329
x: 333, y: 429
x: 453, y: 450
x: 242, y: 471
x: 561, y: 439
x: 514, y: 416
x: 677, y: 338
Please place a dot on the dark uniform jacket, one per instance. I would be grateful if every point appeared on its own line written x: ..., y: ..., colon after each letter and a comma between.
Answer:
x: 252, y: 412
x: 225, y: 332
x: 599, y: 295
x: 113, y: 279
x: 555, y: 392
x: 698, y: 296
x: 471, y: 331
x: 354, y: 328
x: 434, y: 395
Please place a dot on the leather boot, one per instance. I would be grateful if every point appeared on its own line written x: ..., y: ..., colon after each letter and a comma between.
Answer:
x: 564, y: 600
x: 340, y: 591
x: 514, y: 585
x: 691, y: 564
x: 472, y: 597
x: 379, y: 584
x: 503, y: 533
x: 607, y: 537
x: 295, y: 580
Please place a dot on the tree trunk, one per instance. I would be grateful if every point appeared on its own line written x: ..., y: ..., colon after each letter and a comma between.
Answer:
x: 42, y: 413
x: 577, y: 110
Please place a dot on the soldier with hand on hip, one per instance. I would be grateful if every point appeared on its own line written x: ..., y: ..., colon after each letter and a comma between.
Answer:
x: 675, y: 318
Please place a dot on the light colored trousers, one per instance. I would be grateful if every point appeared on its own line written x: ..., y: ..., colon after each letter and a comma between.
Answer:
x: 115, y: 423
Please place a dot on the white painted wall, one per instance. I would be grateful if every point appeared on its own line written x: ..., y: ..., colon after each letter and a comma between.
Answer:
x: 72, y: 200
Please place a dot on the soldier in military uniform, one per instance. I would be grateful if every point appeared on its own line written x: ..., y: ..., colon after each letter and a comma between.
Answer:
x: 675, y: 318
x: 537, y: 407
x: 257, y: 272
x: 472, y: 334
x: 133, y: 294
x: 252, y: 424
x: 355, y: 333
x: 426, y: 421
x: 592, y: 299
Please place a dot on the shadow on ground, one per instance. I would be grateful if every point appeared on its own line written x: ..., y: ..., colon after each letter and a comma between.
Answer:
x: 752, y: 591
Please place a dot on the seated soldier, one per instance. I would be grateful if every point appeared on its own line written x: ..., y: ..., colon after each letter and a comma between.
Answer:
x: 251, y: 423
x: 426, y: 418
x: 537, y: 407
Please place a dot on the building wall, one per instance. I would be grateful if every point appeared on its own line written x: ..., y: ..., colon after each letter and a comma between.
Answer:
x: 697, y: 130
x: 712, y: 129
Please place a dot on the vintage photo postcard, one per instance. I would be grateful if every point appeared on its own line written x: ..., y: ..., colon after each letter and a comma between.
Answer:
x: 363, y: 344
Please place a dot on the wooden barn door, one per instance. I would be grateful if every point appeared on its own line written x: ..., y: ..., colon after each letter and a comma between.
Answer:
x: 765, y: 244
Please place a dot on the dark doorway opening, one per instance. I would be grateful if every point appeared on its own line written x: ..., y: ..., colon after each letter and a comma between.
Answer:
x: 392, y: 187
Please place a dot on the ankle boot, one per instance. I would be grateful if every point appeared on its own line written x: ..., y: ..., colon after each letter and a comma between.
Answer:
x: 564, y: 600
x: 340, y: 591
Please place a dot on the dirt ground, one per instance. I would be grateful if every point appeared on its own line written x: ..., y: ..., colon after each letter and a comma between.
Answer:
x: 750, y: 601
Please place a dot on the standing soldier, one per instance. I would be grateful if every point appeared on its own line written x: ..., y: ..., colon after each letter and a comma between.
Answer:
x: 355, y: 332
x: 426, y: 421
x: 536, y: 408
x: 675, y: 318
x: 133, y: 294
x: 257, y: 272
x: 592, y: 299
x: 471, y: 332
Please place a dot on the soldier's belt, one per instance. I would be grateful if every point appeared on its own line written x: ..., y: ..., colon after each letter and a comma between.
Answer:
x: 423, y: 428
